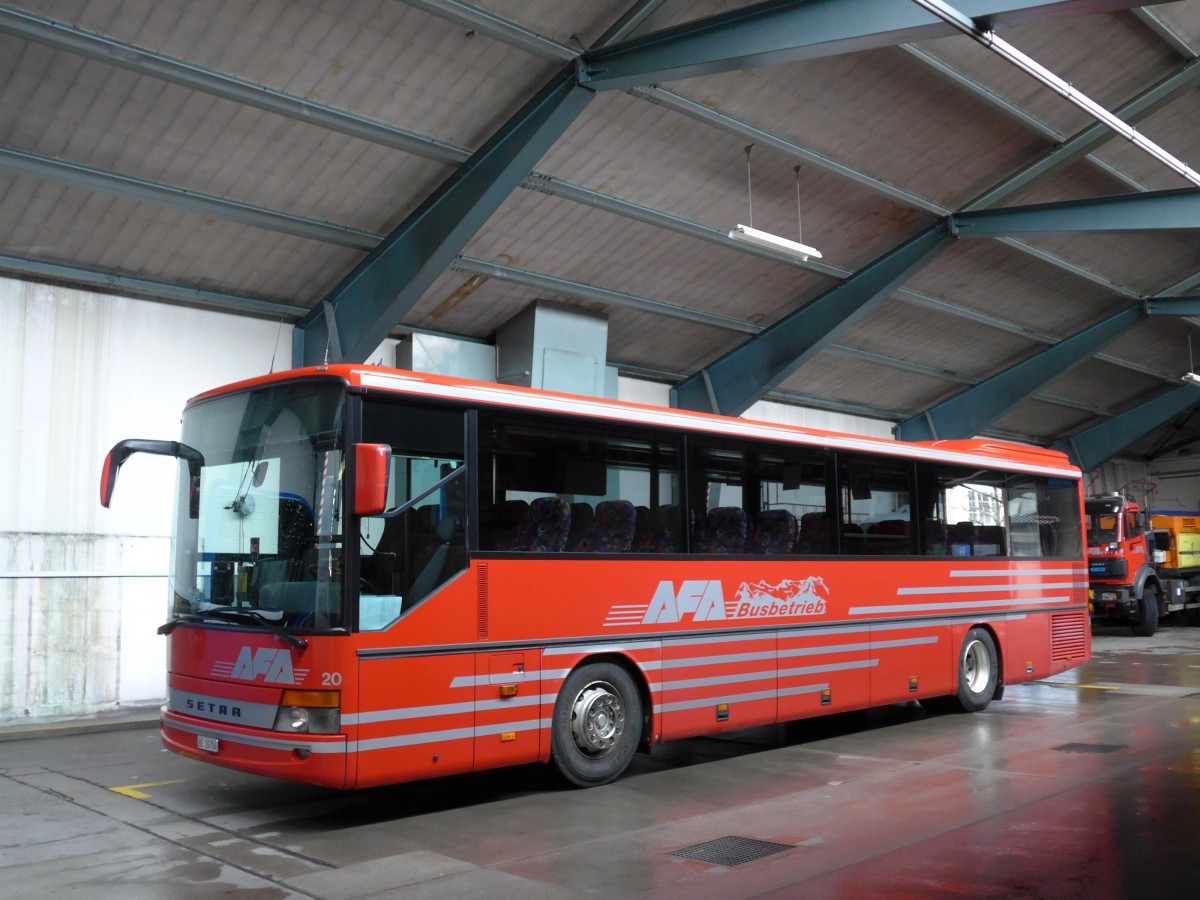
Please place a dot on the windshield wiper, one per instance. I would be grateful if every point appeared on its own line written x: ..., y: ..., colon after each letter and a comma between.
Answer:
x: 230, y: 613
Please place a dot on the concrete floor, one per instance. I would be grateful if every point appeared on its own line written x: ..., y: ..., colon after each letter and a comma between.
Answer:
x: 1087, y: 786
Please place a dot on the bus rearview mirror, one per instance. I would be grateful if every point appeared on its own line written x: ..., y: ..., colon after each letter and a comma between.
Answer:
x: 371, y: 478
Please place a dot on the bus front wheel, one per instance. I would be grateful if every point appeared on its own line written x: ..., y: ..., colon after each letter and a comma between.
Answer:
x: 596, y: 726
x: 978, y: 670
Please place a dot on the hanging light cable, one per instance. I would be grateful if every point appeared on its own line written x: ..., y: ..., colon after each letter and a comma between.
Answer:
x: 751, y: 235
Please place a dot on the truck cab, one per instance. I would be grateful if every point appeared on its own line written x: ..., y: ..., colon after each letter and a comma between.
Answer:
x: 1123, y: 586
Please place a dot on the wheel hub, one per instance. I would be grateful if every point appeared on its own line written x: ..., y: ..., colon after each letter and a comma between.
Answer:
x: 597, y: 719
x: 977, y: 667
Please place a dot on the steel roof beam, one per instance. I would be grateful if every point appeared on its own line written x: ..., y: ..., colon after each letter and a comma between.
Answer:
x: 970, y: 412
x: 145, y: 62
x: 1101, y: 442
x: 1169, y: 35
x: 542, y: 282
x: 747, y: 373
x: 194, y: 77
x: 93, y: 179
x: 782, y: 31
x: 374, y: 297
x: 1137, y: 109
x: 499, y: 29
x: 581, y: 291
x: 130, y: 285
x: 1151, y: 211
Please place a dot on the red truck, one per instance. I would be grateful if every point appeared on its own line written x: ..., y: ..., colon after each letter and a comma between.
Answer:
x: 1141, y: 567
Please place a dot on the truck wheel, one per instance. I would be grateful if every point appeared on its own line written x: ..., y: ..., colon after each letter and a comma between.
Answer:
x: 597, y: 724
x: 1147, y: 622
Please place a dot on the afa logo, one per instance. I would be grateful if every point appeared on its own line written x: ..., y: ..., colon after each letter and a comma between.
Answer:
x: 271, y: 665
x: 704, y: 601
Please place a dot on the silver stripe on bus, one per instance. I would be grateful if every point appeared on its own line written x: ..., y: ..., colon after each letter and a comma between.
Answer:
x: 265, y: 742
x: 698, y: 661
x: 986, y: 588
x: 445, y: 709
x: 681, y: 705
x: 763, y: 674
x: 965, y: 604
x: 454, y: 734
x: 988, y: 573
x: 625, y: 646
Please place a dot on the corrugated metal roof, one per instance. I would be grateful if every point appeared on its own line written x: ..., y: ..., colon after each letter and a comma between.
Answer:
x: 887, y: 139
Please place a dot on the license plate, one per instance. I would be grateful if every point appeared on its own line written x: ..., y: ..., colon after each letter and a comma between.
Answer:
x: 211, y: 744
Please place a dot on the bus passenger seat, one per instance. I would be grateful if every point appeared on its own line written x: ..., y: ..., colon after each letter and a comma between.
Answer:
x: 815, y: 533
x: 774, y: 532
x: 431, y: 576
x: 505, y: 526
x: 612, y: 532
x: 724, y: 531
x: 667, y: 531
x: 933, y: 532
x: 643, y: 530
x: 990, y: 541
x: 582, y: 517
x: 548, y: 526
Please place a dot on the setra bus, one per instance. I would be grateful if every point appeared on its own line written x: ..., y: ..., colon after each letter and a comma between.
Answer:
x: 379, y: 576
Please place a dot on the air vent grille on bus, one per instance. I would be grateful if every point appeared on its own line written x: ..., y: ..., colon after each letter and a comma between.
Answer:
x: 1068, y: 636
x: 481, y: 602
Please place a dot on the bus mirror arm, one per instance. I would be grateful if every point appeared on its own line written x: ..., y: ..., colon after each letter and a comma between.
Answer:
x: 413, y: 501
x: 124, y: 449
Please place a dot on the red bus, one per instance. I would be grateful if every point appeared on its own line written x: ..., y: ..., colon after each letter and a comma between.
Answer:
x: 379, y: 576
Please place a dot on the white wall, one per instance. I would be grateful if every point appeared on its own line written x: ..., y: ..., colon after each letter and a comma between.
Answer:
x: 82, y: 588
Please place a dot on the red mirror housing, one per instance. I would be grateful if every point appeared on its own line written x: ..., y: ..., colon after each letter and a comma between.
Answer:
x: 371, y: 478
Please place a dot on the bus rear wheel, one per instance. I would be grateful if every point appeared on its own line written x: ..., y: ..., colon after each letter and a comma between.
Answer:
x: 978, y: 670
x: 597, y: 724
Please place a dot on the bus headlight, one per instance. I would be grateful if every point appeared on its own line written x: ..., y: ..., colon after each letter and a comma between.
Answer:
x: 309, y: 712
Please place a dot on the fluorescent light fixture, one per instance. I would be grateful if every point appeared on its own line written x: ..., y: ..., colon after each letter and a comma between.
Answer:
x: 774, y: 242
x: 1192, y: 378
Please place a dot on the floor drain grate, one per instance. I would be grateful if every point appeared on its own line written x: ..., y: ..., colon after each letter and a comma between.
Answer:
x: 1090, y: 748
x: 730, y: 850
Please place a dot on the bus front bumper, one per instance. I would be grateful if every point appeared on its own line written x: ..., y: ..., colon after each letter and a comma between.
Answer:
x: 310, y: 758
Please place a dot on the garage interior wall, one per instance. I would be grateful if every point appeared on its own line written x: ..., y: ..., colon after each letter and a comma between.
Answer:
x: 82, y: 588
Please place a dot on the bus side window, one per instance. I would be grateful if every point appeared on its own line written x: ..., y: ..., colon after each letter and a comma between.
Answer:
x: 544, y: 489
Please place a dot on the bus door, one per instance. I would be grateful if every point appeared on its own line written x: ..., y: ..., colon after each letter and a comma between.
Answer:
x: 507, y: 708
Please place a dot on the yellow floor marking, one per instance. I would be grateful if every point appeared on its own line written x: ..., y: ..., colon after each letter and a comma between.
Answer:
x: 131, y: 790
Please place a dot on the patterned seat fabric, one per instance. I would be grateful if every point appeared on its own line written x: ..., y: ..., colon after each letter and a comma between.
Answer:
x: 664, y: 532
x: 816, y: 536
x: 774, y: 532
x: 582, y: 517
x: 549, y: 524
x: 643, y: 530
x: 724, y: 531
x: 612, y: 532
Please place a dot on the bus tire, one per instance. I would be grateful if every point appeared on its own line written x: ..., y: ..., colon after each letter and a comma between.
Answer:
x: 597, y: 724
x: 978, y: 670
x: 1147, y: 622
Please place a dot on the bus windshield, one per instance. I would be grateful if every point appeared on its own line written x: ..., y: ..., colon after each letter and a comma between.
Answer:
x: 258, y: 535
